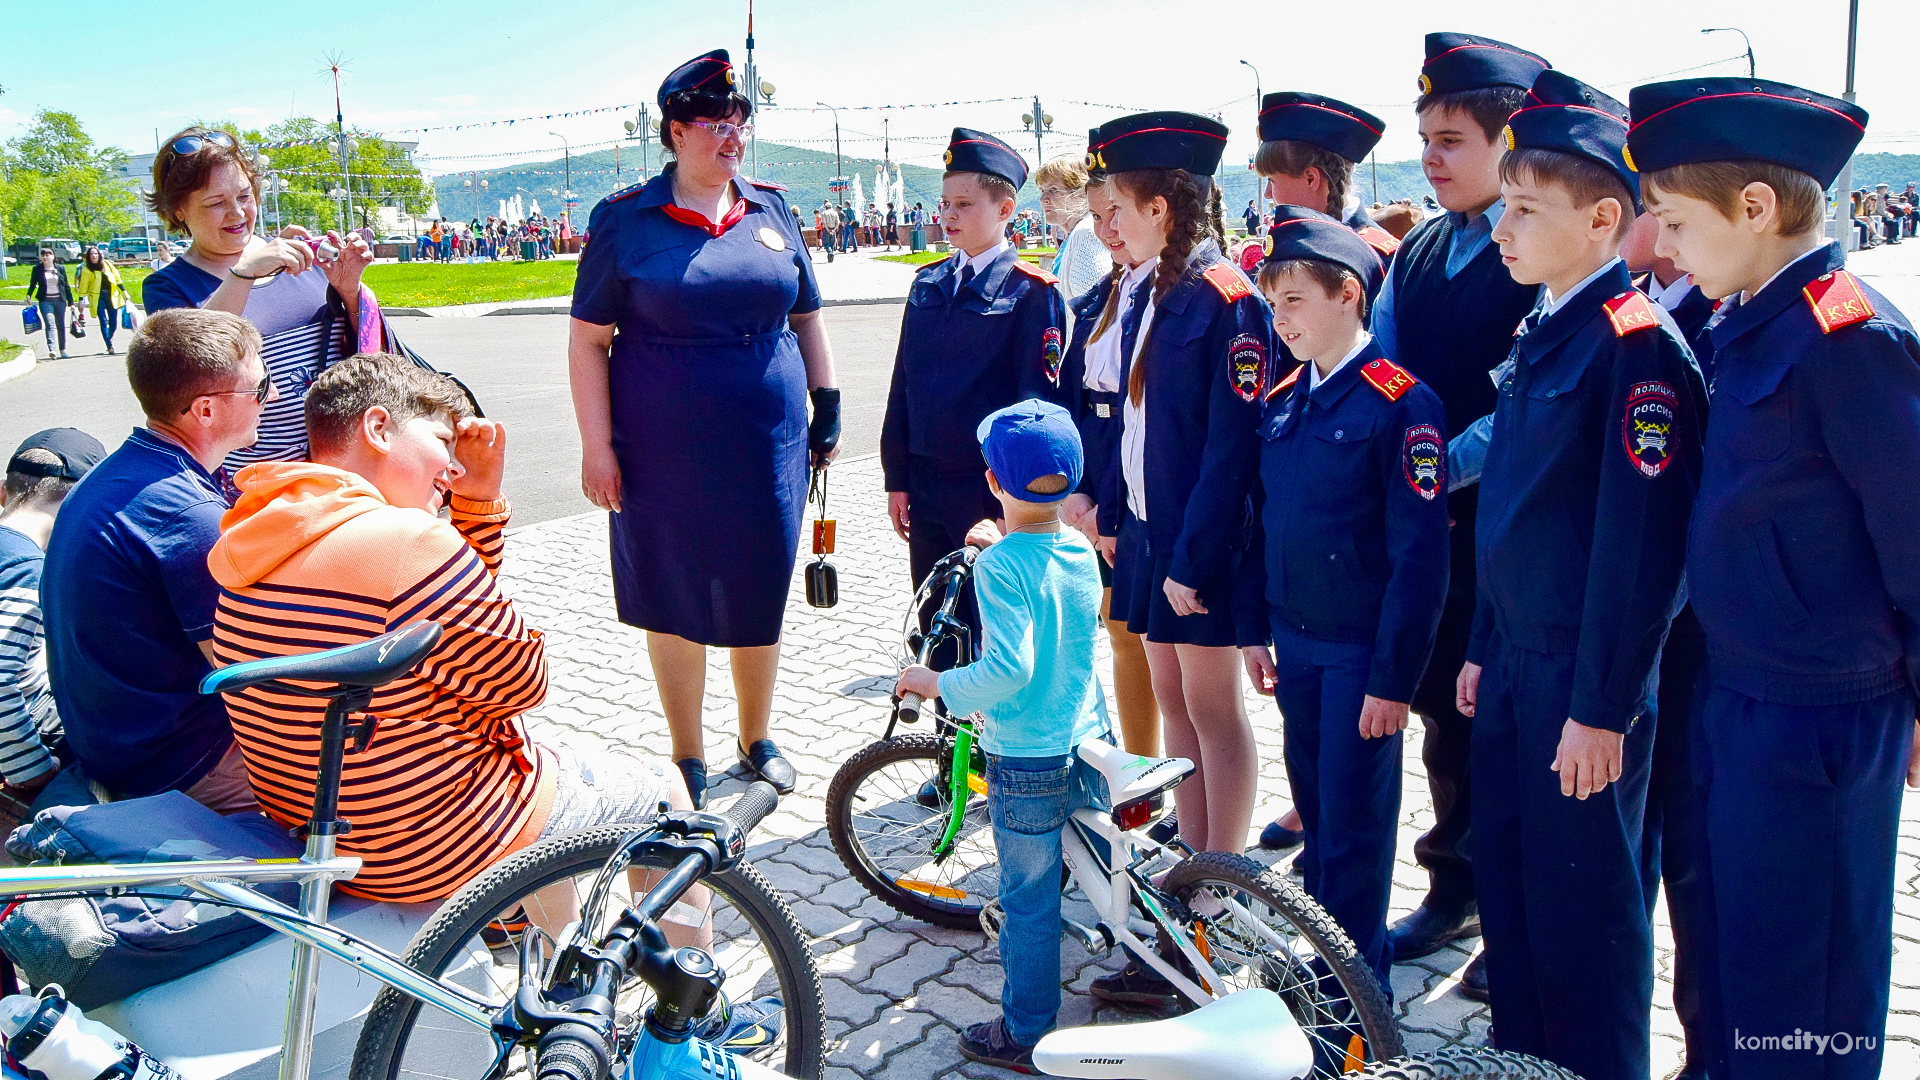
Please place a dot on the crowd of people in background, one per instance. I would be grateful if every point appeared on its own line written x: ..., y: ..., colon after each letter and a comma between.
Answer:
x: 492, y: 239
x: 1882, y: 216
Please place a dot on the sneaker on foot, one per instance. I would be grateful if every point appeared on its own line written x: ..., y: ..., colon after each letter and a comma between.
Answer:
x: 989, y: 1044
x: 1136, y: 986
x: 747, y: 1025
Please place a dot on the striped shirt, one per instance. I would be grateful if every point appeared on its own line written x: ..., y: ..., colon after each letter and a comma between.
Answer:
x: 310, y: 558
x: 26, y: 704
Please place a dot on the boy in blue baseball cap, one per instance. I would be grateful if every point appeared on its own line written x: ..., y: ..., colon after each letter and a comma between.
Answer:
x: 1038, y: 589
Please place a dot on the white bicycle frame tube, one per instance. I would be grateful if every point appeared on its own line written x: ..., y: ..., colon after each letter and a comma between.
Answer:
x: 1110, y: 890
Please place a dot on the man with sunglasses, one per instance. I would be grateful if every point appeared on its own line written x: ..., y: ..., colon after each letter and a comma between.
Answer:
x: 127, y: 596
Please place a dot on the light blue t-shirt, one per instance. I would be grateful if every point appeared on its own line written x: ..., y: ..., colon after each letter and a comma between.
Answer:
x: 1039, y: 599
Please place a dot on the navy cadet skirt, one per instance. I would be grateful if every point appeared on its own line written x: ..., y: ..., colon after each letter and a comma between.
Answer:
x: 1139, y: 594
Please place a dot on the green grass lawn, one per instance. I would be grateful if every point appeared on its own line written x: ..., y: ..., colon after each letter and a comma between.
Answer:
x: 1044, y: 256
x: 420, y: 284
x: 16, y: 281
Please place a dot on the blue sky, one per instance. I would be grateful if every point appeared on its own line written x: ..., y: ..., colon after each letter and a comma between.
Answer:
x: 151, y: 67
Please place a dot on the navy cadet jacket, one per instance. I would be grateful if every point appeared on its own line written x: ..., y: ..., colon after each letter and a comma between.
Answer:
x: 1351, y: 514
x: 997, y: 342
x: 1206, y: 355
x: 1805, y: 551
x: 1590, y: 477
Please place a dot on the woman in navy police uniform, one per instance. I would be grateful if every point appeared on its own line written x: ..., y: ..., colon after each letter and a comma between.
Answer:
x: 696, y: 338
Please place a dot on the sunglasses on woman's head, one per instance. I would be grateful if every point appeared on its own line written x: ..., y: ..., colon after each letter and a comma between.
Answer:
x: 191, y: 144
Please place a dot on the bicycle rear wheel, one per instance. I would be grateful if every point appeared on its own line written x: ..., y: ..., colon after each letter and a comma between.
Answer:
x: 885, y: 821
x: 1262, y: 930
x: 1482, y: 1063
x: 755, y: 941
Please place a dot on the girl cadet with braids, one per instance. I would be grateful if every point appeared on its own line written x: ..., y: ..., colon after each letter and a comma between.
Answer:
x: 1195, y: 346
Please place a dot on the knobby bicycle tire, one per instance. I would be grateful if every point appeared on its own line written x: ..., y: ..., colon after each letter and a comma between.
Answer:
x: 935, y: 749
x: 1457, y: 1063
x: 391, y: 1020
x: 1330, y: 943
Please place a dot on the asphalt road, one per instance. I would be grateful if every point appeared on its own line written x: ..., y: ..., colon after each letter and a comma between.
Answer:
x: 515, y: 364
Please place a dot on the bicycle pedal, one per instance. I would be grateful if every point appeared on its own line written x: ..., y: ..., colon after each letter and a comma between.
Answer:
x: 991, y: 918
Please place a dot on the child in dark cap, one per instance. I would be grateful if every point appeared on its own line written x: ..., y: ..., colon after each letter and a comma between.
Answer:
x: 1039, y: 595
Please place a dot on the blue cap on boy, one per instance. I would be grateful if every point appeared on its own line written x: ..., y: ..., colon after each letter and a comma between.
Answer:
x: 1025, y: 442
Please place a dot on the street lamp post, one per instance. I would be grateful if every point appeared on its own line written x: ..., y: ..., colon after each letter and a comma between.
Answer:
x: 1258, y: 97
x: 1040, y: 122
x: 1743, y: 37
x: 839, y: 168
x: 636, y: 130
x: 1843, y: 185
x: 566, y: 195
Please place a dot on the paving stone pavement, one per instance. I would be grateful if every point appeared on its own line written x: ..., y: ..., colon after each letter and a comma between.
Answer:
x: 897, y: 990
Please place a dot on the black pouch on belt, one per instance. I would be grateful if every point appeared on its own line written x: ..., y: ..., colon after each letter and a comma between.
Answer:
x: 823, y: 581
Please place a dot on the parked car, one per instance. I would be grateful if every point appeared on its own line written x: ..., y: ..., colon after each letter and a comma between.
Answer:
x: 396, y: 238
x: 64, y: 249
x: 131, y: 247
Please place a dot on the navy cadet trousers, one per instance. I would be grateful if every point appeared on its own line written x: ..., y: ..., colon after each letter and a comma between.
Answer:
x: 1673, y: 850
x: 1569, y: 946
x: 1802, y: 814
x: 1346, y: 788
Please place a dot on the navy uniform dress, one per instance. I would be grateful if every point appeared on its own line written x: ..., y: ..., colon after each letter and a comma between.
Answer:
x: 1590, y: 477
x: 1348, y: 576
x: 1206, y: 353
x: 965, y: 350
x: 1805, y: 571
x: 709, y: 407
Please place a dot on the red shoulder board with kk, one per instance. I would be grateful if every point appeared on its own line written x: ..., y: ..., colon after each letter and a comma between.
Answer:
x: 1231, y: 284
x: 1837, y: 300
x: 767, y: 185
x: 1389, y: 378
x: 625, y: 191
x: 1287, y: 383
x: 1631, y: 311
x: 1379, y: 240
x: 1034, y: 271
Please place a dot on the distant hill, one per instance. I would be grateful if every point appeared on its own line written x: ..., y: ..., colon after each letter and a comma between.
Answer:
x: 805, y: 172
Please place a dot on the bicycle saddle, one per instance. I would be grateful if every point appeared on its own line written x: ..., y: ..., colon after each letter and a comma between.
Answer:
x: 373, y: 662
x: 1130, y: 776
x: 1247, y: 1035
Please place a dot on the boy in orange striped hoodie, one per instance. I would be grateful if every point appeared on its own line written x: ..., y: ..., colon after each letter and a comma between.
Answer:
x: 353, y: 544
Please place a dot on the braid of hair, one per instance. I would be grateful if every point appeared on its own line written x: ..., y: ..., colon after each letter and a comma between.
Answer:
x: 1187, y: 228
x: 1112, y: 305
x: 1215, y: 219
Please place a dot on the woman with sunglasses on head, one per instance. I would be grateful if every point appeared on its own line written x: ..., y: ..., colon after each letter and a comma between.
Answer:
x: 305, y: 299
x: 693, y: 419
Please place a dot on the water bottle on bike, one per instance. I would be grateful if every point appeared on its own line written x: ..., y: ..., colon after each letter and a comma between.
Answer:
x: 50, y: 1035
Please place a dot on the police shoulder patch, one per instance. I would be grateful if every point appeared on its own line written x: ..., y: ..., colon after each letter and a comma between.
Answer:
x: 1379, y: 240
x: 1837, y: 300
x: 1050, y: 354
x: 1033, y: 271
x: 1230, y: 282
x: 1389, y: 378
x: 1287, y: 383
x: 1647, y: 428
x: 1246, y: 365
x: 1631, y: 311
x: 1423, y: 458
x: 624, y: 192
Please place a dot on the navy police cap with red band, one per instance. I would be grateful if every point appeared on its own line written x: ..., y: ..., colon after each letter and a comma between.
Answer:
x: 1723, y: 119
x: 1334, y: 126
x: 976, y: 151
x: 712, y: 73
x: 1562, y: 113
x: 1159, y: 140
x: 1458, y: 62
x: 1300, y: 233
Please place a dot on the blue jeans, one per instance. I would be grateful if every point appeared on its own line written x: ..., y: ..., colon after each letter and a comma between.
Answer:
x: 53, y: 319
x: 108, y: 315
x: 1029, y: 800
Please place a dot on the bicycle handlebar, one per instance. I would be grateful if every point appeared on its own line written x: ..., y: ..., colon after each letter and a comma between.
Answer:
x: 750, y: 808
x: 909, y: 708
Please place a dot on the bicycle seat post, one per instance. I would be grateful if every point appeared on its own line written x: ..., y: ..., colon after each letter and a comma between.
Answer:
x: 296, y: 1048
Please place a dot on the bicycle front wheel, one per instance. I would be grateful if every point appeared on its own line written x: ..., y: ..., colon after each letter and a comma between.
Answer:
x: 887, y: 810
x: 474, y: 941
x: 1259, y: 929
x: 1465, y: 1064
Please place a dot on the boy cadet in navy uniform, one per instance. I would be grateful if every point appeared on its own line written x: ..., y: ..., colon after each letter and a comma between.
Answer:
x: 983, y: 330
x: 1348, y: 568
x: 1590, y: 477
x: 1446, y: 314
x: 1309, y: 144
x: 1804, y: 567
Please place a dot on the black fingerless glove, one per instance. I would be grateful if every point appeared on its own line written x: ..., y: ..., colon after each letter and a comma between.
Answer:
x: 823, y: 434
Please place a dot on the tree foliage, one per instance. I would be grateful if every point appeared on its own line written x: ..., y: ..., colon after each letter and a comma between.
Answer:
x: 378, y: 174
x: 55, y: 182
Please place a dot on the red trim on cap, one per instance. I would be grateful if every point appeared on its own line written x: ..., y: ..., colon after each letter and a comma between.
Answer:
x: 978, y: 142
x: 1147, y: 131
x: 1323, y: 108
x: 1543, y: 65
x: 1582, y: 108
x: 1751, y: 93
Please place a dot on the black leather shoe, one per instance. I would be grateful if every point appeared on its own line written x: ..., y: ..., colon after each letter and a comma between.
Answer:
x: 1423, y: 932
x: 694, y: 772
x: 764, y: 759
x: 1473, y: 980
x: 1277, y: 837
